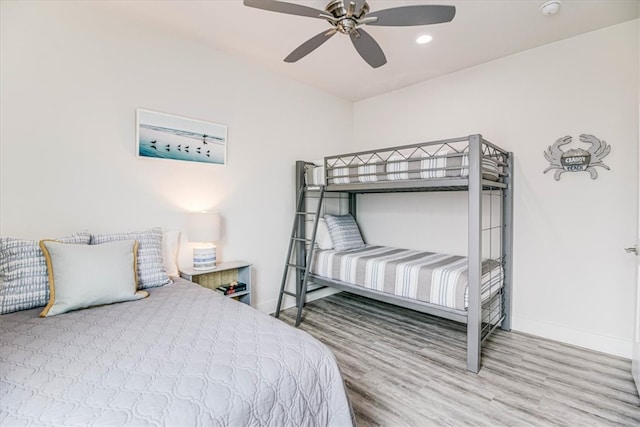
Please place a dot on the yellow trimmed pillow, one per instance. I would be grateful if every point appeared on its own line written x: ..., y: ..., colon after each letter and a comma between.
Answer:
x: 83, y: 276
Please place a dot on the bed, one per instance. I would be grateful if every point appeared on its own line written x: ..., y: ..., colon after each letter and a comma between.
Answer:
x: 183, y: 356
x: 429, y: 277
x: 415, y: 163
x: 474, y: 289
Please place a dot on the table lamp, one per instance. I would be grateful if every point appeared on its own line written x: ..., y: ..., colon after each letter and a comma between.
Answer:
x: 204, y: 228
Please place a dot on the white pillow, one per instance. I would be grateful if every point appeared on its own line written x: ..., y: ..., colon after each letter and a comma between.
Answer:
x: 322, y: 236
x: 82, y: 276
x: 170, y: 239
x: 314, y: 175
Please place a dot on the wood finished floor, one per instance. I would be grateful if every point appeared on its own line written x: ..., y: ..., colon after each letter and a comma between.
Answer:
x: 404, y: 368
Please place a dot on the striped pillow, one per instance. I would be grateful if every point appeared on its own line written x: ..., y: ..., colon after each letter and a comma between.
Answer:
x: 344, y: 232
x: 151, y: 269
x: 24, y: 283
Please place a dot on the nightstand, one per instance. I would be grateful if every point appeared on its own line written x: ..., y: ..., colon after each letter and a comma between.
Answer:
x: 223, y: 274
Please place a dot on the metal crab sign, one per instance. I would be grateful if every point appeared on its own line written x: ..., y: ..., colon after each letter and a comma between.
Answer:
x: 577, y: 159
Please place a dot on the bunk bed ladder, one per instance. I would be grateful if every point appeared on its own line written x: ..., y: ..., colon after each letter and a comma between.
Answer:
x: 297, y: 251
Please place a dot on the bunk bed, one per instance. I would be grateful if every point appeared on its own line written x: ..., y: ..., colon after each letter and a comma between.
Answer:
x: 474, y: 289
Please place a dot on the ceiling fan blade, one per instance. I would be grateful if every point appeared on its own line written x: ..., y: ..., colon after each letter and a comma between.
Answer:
x: 283, y: 7
x: 406, y: 16
x: 309, y: 46
x: 368, y: 48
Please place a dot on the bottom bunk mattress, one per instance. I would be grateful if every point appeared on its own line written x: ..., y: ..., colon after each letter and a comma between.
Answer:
x: 183, y: 356
x: 424, y: 276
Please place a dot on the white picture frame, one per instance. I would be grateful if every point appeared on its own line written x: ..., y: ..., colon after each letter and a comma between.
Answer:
x: 167, y: 136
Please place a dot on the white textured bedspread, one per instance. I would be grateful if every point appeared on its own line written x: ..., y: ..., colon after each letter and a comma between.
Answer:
x: 185, y: 356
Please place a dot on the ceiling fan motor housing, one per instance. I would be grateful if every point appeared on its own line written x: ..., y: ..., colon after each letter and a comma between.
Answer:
x: 344, y: 21
x: 338, y: 9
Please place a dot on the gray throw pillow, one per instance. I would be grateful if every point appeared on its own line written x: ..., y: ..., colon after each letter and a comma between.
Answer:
x: 344, y: 232
x: 24, y: 283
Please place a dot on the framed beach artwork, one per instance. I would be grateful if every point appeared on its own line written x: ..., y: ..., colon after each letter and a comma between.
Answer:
x: 165, y: 136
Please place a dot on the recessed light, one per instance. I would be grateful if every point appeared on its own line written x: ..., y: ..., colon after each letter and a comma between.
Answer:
x: 549, y: 7
x: 424, y: 39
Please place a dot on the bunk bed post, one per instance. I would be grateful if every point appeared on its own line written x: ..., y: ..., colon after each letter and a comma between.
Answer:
x: 474, y: 311
x: 300, y: 249
x: 507, y: 244
x: 352, y: 204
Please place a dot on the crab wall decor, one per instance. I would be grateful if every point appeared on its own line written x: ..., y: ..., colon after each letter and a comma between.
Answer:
x: 577, y: 159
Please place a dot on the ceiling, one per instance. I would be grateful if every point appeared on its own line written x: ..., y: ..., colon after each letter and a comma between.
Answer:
x: 481, y: 31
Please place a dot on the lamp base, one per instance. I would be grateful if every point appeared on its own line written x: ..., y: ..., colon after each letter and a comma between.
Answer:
x: 204, y: 258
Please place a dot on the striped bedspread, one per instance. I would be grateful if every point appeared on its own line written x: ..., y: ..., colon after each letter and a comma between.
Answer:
x: 397, y: 168
x: 425, y: 276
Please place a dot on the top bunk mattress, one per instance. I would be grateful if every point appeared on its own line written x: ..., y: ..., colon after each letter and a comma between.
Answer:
x: 423, y: 276
x: 446, y: 163
x: 183, y: 356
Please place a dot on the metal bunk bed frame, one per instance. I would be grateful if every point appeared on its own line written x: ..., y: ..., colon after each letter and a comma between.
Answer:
x: 303, y: 247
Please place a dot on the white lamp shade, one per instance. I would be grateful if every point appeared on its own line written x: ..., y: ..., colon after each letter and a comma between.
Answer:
x: 203, y: 226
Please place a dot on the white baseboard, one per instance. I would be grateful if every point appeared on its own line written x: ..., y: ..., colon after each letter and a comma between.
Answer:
x: 577, y: 337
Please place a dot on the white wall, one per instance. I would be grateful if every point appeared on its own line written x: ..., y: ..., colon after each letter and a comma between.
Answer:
x: 72, y: 75
x: 572, y: 279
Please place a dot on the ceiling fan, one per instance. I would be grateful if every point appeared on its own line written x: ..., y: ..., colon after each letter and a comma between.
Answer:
x: 347, y: 17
